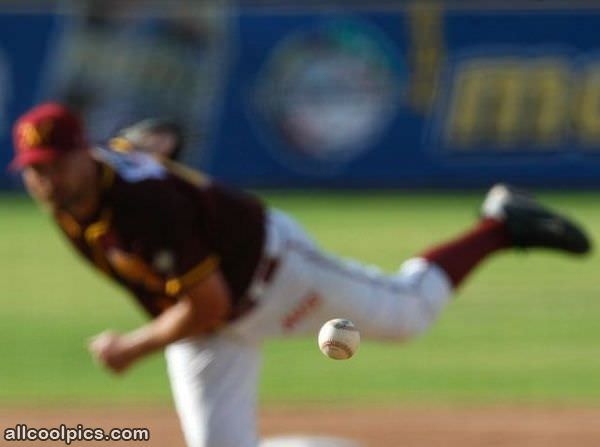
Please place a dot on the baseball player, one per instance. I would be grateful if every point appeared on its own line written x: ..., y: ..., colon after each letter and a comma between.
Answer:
x: 218, y: 272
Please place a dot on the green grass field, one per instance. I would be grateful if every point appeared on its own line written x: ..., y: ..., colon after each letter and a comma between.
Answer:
x: 524, y: 329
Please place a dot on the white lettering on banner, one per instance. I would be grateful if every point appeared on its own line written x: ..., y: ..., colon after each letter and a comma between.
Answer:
x: 507, y: 102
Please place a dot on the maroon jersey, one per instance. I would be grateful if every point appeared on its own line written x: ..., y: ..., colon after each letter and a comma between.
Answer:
x: 162, y: 228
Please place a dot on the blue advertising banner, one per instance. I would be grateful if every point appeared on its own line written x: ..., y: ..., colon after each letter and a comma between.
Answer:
x: 418, y: 97
x: 423, y: 97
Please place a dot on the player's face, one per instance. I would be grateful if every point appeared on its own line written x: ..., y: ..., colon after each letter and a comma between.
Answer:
x: 58, y: 184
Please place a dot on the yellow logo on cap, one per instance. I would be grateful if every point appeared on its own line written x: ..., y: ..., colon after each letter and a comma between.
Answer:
x: 34, y: 136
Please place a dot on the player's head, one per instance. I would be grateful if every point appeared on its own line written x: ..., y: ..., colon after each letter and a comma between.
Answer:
x: 160, y: 137
x: 51, y: 152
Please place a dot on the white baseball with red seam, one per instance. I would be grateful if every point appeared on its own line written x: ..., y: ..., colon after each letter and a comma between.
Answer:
x: 339, y: 339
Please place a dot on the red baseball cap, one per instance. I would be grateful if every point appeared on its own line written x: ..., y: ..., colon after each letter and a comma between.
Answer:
x: 45, y: 133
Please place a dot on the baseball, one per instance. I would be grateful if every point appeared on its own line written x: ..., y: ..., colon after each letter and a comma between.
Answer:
x: 339, y: 339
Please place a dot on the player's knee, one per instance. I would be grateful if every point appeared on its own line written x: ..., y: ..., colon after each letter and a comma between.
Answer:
x: 415, y: 315
x: 426, y: 280
x: 399, y: 327
x: 409, y: 330
x: 428, y: 293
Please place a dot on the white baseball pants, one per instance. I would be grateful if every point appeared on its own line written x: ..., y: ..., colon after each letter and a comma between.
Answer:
x: 214, y: 380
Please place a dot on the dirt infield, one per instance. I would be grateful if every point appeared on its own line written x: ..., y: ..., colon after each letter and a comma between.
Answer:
x: 381, y: 427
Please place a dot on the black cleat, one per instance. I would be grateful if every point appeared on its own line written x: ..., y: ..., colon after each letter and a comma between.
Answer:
x: 530, y: 224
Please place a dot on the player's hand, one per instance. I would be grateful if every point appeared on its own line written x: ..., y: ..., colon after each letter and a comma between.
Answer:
x: 112, y: 351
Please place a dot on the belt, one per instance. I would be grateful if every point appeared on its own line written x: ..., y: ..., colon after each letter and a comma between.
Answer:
x: 263, y: 276
x: 265, y: 272
x: 266, y: 269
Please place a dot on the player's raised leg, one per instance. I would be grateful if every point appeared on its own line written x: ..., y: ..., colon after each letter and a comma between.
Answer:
x: 313, y: 287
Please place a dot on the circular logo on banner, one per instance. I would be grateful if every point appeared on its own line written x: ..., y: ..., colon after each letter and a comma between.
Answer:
x: 327, y: 93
